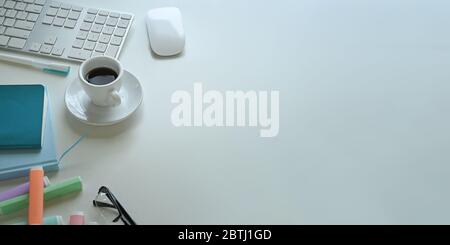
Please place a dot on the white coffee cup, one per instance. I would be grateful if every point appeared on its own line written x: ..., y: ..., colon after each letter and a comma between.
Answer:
x: 105, y: 94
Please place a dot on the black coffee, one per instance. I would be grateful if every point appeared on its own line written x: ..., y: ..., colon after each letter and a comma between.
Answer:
x: 101, y: 76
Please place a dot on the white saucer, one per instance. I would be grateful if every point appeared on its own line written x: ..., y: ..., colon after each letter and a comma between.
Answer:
x: 80, y: 106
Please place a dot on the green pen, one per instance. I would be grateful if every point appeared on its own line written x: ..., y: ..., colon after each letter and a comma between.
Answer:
x: 50, y: 220
x: 51, y: 192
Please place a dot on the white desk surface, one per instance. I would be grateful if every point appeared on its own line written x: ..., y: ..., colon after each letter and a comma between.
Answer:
x: 365, y: 114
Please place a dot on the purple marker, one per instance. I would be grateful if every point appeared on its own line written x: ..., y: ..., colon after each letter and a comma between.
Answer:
x: 19, y: 190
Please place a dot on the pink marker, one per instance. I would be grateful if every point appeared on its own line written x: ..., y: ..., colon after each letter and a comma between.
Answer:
x: 77, y: 218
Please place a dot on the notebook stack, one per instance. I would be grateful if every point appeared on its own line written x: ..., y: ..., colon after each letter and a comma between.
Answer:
x: 26, y: 133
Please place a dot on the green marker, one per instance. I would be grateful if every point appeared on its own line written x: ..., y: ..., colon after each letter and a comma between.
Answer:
x: 50, y: 220
x: 51, y: 192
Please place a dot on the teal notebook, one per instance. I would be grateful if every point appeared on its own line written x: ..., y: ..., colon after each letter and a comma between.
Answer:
x: 17, y: 162
x: 22, y: 116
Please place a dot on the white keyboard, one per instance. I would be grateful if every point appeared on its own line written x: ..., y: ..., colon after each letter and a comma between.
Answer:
x: 61, y: 30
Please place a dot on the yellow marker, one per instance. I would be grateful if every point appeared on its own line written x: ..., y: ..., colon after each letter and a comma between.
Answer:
x: 36, y: 193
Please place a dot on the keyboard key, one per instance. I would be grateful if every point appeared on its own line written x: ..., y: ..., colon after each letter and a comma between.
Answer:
x: 16, y: 43
x: 103, y: 13
x: 114, y: 15
x: 96, y: 54
x: 96, y: 28
x: 2, y: 2
x: 2, y: 12
x: 34, y: 8
x: 116, y: 40
x: 104, y: 38
x: 70, y: 24
x: 125, y: 16
x: 14, y: 32
x: 100, y: 47
x: 92, y: 11
x: 52, y: 11
x: 48, y: 20
x: 112, y: 51
x: 77, y: 9
x: 3, y: 21
x: 63, y: 13
x: 9, y: 4
x: 26, y: 25
x: 74, y: 15
x: 89, y: 18
x: 58, y: 21
x: 82, y: 35
x: 120, y: 32
x: 108, y: 30
x: 93, y: 37
x: 35, y: 47
x: 46, y: 49
x: 39, y: 2
x: 79, y: 54
x: 50, y: 40
x: 78, y: 43
x: 57, y: 51
x: 11, y: 13
x: 3, y: 40
x: 32, y: 17
x: 88, y: 45
x: 100, y: 19
x: 65, y: 6
x: 2, y: 29
x: 123, y: 23
x: 8, y: 22
x: 112, y: 21
x: 20, y: 6
x: 55, y: 4
x: 22, y: 15
x: 85, y: 26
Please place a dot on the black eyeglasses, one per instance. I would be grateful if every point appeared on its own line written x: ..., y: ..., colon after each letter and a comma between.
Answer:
x: 115, y: 204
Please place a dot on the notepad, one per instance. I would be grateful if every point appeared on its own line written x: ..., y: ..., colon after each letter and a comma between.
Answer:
x: 22, y: 113
x: 17, y: 162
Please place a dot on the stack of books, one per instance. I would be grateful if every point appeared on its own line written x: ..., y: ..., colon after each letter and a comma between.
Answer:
x: 26, y: 132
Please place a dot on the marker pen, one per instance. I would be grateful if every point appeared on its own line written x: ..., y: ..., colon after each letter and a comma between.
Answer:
x: 20, y: 190
x: 51, y: 192
x: 36, y: 205
x: 77, y: 218
x: 50, y: 220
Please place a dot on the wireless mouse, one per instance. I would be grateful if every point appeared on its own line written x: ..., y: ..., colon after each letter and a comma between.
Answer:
x: 165, y: 31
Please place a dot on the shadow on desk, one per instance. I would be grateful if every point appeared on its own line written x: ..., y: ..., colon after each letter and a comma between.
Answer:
x: 104, y: 131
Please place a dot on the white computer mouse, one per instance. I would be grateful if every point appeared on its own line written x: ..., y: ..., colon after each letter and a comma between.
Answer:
x: 165, y: 31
